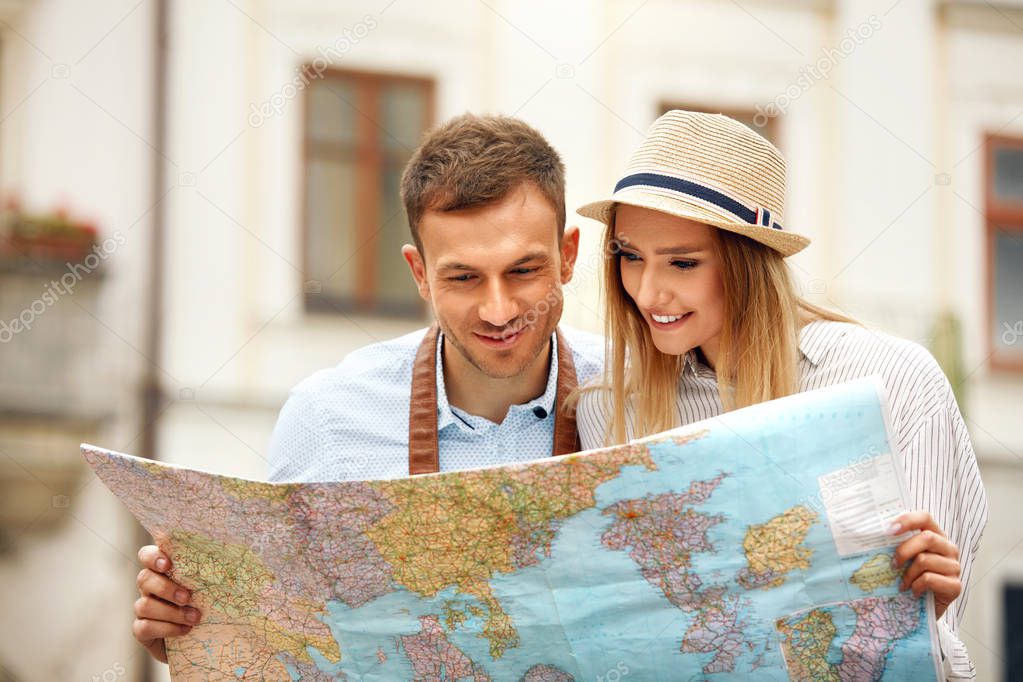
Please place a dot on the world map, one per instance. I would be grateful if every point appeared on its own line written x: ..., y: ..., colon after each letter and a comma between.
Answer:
x: 707, y: 552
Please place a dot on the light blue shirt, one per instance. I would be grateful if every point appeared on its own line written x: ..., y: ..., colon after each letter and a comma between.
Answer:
x: 350, y: 422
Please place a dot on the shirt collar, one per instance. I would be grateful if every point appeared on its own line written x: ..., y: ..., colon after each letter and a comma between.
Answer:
x: 813, y: 345
x: 691, y: 364
x: 816, y: 338
x: 445, y: 412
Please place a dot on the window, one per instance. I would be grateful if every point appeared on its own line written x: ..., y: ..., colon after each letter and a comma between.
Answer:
x: 360, y: 130
x: 1013, y: 610
x: 1004, y: 211
x: 761, y: 123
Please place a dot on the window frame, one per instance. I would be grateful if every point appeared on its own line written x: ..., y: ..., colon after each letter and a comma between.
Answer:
x: 1008, y: 586
x: 998, y: 216
x: 369, y: 161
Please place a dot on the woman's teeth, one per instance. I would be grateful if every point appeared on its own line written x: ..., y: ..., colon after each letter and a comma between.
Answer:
x: 665, y: 319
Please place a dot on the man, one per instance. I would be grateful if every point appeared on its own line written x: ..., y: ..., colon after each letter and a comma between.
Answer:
x: 485, y: 198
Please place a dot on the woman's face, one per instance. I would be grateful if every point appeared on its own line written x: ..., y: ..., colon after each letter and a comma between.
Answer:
x: 671, y: 269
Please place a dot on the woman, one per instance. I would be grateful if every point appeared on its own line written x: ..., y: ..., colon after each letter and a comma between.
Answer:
x: 702, y: 317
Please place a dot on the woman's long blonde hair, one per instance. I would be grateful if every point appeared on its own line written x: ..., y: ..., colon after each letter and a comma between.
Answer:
x: 758, y: 350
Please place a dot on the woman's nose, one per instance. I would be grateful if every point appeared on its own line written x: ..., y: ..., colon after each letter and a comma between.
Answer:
x: 652, y: 294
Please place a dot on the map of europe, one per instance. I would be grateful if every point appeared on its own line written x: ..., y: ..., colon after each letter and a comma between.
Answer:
x: 749, y: 545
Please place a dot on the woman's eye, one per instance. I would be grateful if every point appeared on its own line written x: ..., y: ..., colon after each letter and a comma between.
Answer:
x: 684, y: 264
x: 630, y: 257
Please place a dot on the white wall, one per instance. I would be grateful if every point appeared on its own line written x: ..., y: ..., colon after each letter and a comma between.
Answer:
x: 999, y: 562
x: 984, y: 95
x: 75, y: 130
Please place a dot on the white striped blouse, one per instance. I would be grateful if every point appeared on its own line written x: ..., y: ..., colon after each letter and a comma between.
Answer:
x: 941, y: 469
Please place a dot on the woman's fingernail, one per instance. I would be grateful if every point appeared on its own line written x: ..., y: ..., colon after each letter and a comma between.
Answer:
x: 181, y: 596
x: 161, y: 564
x: 191, y: 615
x: 895, y: 529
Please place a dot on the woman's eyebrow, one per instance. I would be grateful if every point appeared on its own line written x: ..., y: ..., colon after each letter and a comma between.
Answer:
x: 677, y: 250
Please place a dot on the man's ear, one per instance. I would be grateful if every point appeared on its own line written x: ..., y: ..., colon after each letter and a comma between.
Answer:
x: 569, y: 252
x: 418, y: 268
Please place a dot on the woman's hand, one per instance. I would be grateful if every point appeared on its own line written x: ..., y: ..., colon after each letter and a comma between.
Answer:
x: 933, y: 559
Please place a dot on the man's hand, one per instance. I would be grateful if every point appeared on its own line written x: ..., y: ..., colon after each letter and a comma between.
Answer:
x: 934, y: 560
x: 163, y: 608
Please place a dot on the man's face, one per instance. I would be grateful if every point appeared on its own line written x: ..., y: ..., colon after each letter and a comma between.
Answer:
x: 493, y: 275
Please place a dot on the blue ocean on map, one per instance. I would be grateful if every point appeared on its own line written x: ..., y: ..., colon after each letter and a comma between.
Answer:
x: 588, y: 610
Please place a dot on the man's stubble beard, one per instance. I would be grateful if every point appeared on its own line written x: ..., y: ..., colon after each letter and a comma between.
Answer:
x: 550, y: 321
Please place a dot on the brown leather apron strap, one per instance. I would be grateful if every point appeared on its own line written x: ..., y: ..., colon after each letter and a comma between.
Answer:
x: 423, y: 449
x: 566, y: 438
x: 423, y: 452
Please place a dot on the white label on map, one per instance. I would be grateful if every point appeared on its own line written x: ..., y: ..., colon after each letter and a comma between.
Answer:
x: 861, y: 501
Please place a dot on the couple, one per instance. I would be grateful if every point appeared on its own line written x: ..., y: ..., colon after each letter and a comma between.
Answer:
x: 701, y: 317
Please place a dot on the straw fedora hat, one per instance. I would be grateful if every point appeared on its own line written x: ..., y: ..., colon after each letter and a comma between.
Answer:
x: 711, y: 169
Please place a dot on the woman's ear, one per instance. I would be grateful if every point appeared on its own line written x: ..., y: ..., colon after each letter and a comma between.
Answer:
x: 569, y: 252
x: 418, y: 267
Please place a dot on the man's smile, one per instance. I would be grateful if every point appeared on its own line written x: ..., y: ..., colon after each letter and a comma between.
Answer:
x: 501, y: 340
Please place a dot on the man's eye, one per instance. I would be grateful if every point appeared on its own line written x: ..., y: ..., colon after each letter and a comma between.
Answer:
x: 460, y: 278
x: 524, y: 271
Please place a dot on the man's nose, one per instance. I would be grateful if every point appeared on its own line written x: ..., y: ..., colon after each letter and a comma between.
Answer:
x: 498, y: 307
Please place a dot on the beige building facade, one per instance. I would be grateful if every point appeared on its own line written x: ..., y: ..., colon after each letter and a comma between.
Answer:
x: 263, y: 178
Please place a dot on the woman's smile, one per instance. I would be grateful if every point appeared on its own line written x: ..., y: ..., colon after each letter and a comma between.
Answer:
x: 667, y: 322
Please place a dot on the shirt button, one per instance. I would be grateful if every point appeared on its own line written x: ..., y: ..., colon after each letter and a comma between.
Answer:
x: 540, y: 412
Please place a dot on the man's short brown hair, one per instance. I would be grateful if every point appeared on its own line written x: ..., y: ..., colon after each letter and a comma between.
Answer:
x: 472, y: 161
